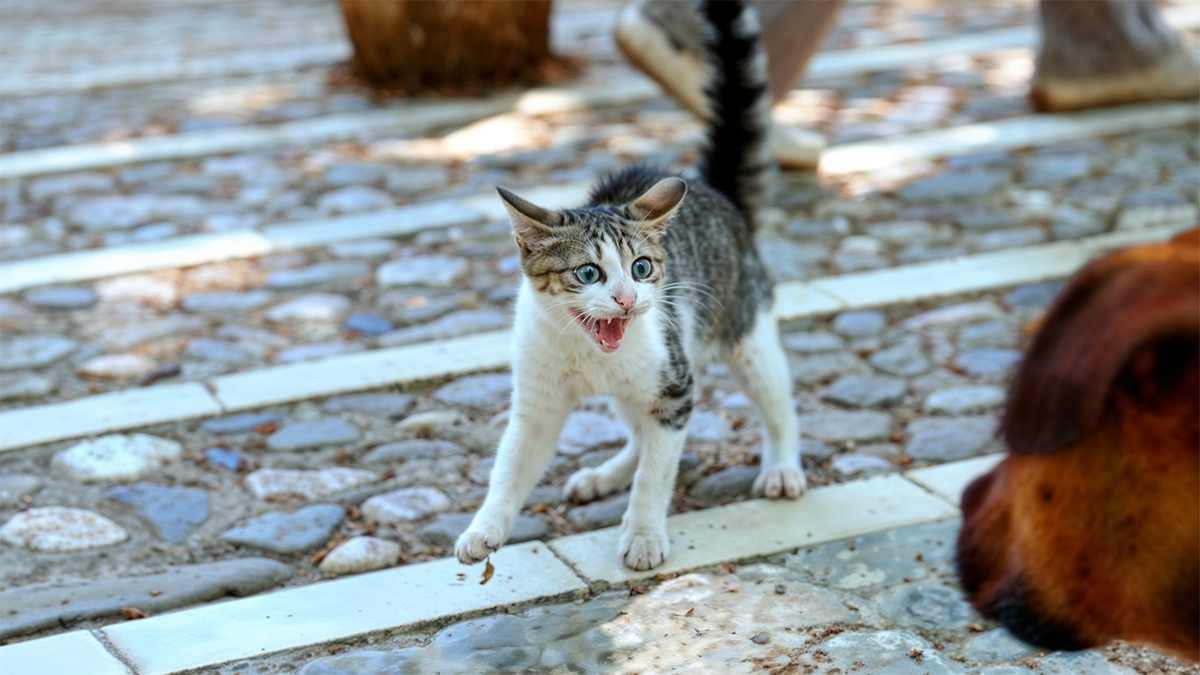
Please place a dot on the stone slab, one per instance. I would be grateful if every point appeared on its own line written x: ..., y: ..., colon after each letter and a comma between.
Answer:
x: 242, y: 62
x: 74, y: 652
x: 390, y: 223
x: 409, y: 120
x: 40, y: 606
x: 185, y: 251
x: 797, y: 300
x: 761, y: 527
x: 342, y: 610
x: 955, y: 276
x: 950, y: 479
x: 1010, y: 134
x: 361, y: 371
x: 103, y: 413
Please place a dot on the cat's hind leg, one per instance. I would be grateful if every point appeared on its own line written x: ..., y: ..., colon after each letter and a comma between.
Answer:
x: 761, y: 367
x: 525, y: 451
x: 616, y: 473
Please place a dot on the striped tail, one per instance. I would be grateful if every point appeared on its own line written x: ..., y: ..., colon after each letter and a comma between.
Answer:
x: 736, y: 158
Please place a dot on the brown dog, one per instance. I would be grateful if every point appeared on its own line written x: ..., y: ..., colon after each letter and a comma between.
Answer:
x: 1089, y: 530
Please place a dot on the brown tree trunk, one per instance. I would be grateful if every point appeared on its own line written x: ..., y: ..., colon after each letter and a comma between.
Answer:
x: 422, y: 44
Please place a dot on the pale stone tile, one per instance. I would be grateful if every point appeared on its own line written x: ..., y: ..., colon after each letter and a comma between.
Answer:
x: 366, y: 370
x: 391, y: 223
x: 949, y: 480
x: 74, y: 652
x: 1009, y: 134
x: 136, y: 74
x: 409, y: 121
x: 762, y: 527
x: 956, y: 276
x: 848, y: 62
x: 185, y: 251
x: 797, y: 300
x: 339, y: 610
x: 566, y: 195
x: 103, y: 413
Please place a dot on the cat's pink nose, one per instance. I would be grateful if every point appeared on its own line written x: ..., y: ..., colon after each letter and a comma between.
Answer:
x: 624, y: 301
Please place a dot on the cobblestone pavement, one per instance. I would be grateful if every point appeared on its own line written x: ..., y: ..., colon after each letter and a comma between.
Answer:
x: 287, y: 495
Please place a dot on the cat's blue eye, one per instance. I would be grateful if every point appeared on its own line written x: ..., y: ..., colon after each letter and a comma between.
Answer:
x: 588, y: 274
x: 641, y: 268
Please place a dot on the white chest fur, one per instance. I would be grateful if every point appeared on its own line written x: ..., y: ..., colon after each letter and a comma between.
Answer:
x: 552, y: 351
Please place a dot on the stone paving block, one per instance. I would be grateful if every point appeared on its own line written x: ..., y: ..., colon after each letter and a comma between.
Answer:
x: 762, y: 527
x: 362, y: 371
x: 957, y: 276
x: 949, y: 480
x: 103, y: 413
x: 1018, y: 132
x: 340, y: 610
x: 184, y: 251
x: 40, y: 606
x: 795, y: 300
x: 74, y: 652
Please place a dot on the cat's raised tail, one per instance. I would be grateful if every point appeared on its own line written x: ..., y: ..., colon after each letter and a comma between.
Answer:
x: 736, y: 158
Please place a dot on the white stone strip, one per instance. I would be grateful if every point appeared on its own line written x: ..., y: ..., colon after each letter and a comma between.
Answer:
x: 761, y: 527
x: 491, y: 351
x: 342, y: 610
x: 849, y: 62
x: 77, y: 652
x: 199, y: 249
x: 949, y: 480
x: 969, y: 273
x: 174, y: 69
x: 101, y: 413
x: 1008, y: 134
x: 364, y: 370
x: 414, y: 119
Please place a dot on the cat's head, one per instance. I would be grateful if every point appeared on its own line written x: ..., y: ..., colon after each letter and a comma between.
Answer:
x: 601, y: 267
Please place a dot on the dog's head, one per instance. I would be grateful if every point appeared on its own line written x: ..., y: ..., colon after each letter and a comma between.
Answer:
x: 1089, y: 530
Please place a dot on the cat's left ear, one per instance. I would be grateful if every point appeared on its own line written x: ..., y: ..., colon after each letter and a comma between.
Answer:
x: 531, y: 223
x: 660, y: 202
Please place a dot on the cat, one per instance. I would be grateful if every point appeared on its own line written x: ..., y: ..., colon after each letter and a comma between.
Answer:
x: 634, y: 293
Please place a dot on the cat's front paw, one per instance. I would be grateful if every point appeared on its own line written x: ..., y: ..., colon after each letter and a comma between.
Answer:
x: 588, y: 484
x: 780, y: 482
x: 644, y: 550
x: 475, y: 545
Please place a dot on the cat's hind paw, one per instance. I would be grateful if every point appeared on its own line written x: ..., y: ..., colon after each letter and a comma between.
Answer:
x: 780, y: 482
x: 589, y: 484
x: 473, y: 546
x: 644, y: 550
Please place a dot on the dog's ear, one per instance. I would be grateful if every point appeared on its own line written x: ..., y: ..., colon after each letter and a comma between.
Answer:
x: 1113, y: 310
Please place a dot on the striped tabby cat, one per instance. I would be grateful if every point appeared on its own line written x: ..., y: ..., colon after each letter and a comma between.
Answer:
x: 630, y: 296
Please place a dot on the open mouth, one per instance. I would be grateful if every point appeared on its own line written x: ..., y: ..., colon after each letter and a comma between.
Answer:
x: 607, y: 333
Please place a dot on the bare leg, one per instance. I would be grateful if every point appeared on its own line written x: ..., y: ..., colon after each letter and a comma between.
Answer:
x: 1106, y: 52
x: 792, y: 34
x: 662, y: 39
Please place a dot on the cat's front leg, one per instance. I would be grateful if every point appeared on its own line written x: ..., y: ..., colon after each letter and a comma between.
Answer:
x: 644, y: 543
x: 526, y: 448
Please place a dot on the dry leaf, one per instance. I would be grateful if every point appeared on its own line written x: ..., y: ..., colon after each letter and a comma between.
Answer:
x: 268, y: 428
x: 155, y: 593
x: 664, y: 577
x: 132, y: 613
x: 488, y: 571
x: 727, y: 568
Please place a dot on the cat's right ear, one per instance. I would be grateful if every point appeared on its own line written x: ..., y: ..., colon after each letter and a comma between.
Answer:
x: 531, y: 223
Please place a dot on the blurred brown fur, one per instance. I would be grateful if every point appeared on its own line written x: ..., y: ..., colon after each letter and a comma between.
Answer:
x: 1089, y: 530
